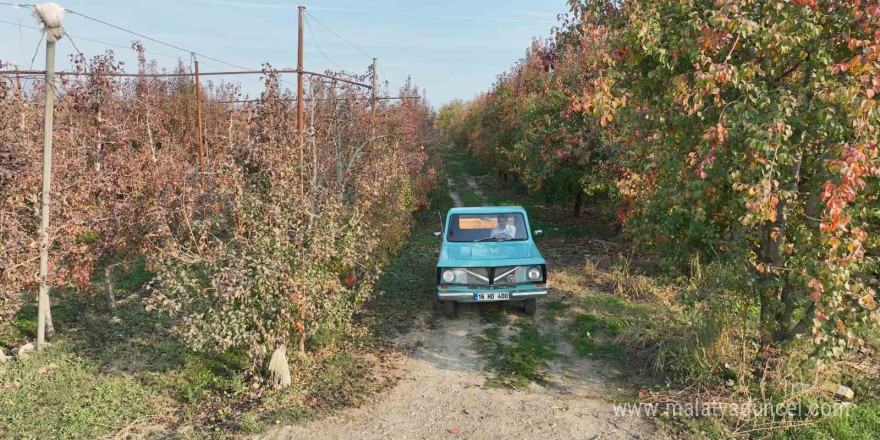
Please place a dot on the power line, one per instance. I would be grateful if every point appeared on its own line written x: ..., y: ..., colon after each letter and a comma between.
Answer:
x: 122, y: 46
x: 91, y: 40
x: 343, y: 39
x: 21, y: 25
x: 37, y: 50
x: 153, y: 39
x: 339, y: 36
x: 181, y: 48
x: 69, y: 37
x: 319, y: 46
x: 187, y: 74
x: 192, y: 52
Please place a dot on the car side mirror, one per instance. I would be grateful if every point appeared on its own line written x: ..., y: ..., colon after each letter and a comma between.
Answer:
x: 437, y: 233
x: 537, y: 232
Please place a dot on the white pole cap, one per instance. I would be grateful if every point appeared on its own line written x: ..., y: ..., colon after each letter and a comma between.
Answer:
x: 50, y: 16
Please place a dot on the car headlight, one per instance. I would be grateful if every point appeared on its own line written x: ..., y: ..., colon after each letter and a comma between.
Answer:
x: 534, y: 273
x: 448, y: 276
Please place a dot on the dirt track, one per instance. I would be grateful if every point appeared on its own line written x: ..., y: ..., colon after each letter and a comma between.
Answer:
x: 443, y: 393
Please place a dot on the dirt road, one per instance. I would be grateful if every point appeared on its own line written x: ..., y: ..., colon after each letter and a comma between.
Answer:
x: 444, y: 392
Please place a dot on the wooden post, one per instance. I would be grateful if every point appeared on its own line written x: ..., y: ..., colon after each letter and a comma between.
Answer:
x: 48, y: 114
x: 199, y: 113
x: 373, y: 103
x: 299, y: 76
x: 299, y: 100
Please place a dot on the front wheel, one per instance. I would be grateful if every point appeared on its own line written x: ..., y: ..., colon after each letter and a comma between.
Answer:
x: 530, y: 306
x: 450, y: 308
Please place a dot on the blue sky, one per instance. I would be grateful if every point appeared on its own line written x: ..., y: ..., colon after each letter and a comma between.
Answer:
x: 453, y: 49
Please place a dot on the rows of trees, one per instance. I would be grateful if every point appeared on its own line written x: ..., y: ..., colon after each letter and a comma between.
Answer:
x: 280, y: 236
x: 734, y: 131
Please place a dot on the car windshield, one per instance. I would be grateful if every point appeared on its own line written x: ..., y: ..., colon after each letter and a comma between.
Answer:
x: 487, y: 227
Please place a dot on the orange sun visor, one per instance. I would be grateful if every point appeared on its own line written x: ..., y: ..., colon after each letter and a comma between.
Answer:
x: 477, y: 222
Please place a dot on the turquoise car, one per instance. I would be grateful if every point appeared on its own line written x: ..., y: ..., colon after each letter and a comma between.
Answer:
x: 489, y: 255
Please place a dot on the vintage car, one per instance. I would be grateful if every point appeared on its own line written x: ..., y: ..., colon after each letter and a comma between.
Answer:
x: 489, y: 254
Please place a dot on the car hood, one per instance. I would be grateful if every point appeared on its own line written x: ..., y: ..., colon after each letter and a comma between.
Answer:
x: 490, y: 254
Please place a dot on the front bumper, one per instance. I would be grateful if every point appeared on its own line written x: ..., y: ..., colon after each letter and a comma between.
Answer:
x: 468, y: 294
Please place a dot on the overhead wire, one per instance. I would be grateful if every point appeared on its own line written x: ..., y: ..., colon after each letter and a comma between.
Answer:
x: 153, y: 39
x: 20, y: 25
x: 78, y: 37
x: 37, y: 50
x: 356, y: 47
x: 70, y: 37
x: 337, y: 35
x: 309, y: 26
x: 193, y: 53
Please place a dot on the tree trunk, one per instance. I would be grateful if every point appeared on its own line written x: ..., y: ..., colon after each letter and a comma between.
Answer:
x: 548, y: 195
x: 50, y: 329
x: 578, y: 200
x: 150, y: 137
x: 108, y: 287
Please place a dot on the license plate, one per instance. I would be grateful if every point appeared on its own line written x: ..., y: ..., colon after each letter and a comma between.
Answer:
x: 494, y: 296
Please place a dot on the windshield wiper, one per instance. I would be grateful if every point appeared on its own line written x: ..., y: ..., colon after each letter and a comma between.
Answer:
x: 486, y: 239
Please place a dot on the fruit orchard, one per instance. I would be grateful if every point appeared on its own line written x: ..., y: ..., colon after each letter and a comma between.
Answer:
x: 279, y: 236
x: 732, y: 132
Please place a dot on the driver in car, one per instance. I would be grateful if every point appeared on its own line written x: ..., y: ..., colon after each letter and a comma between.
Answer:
x: 505, y: 228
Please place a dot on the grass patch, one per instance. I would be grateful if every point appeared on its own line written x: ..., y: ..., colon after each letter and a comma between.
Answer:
x: 553, y: 309
x: 461, y: 163
x: 521, y: 361
x: 342, y: 380
x: 594, y: 336
x: 469, y: 198
x: 862, y: 422
x: 203, y: 375
x: 54, y: 394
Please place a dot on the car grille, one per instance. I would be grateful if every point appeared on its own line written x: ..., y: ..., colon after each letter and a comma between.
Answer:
x: 478, y: 276
x: 491, y: 276
x: 508, y: 275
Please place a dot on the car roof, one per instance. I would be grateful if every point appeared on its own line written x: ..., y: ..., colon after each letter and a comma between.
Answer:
x: 487, y: 210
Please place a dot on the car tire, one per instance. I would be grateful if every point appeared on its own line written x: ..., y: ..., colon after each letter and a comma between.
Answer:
x: 530, y: 306
x: 450, y: 309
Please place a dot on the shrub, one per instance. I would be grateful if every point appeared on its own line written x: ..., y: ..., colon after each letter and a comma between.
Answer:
x: 280, y: 235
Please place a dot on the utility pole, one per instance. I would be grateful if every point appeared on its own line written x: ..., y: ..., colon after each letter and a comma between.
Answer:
x: 373, y: 103
x: 299, y: 78
x: 199, y: 113
x: 51, y: 15
x: 299, y: 100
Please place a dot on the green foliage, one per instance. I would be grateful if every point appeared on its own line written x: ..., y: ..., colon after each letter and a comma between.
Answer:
x: 403, y: 290
x: 133, y: 275
x: 734, y: 132
x: 200, y: 376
